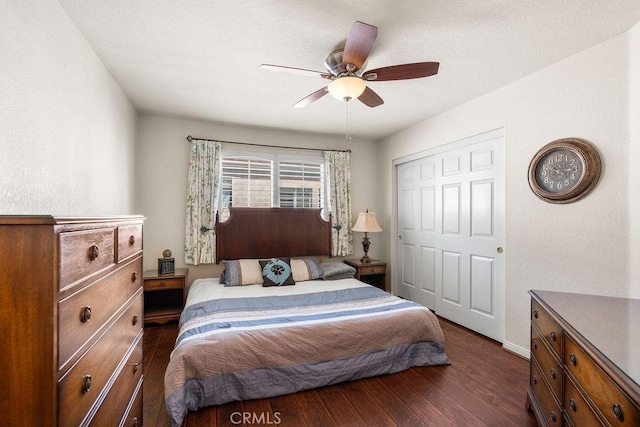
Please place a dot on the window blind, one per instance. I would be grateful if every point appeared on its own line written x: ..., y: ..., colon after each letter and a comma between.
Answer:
x: 252, y: 181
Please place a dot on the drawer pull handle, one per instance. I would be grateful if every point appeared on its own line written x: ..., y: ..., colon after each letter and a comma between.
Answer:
x: 553, y: 336
x: 85, y: 315
x: 134, y: 321
x: 553, y: 416
x: 132, y: 240
x: 553, y: 374
x: 572, y: 404
x: 134, y: 277
x: 535, y: 314
x: 573, y: 359
x: 162, y: 284
x: 534, y: 380
x: 535, y: 345
x: 617, y: 412
x: 135, y: 365
x: 93, y: 253
x: 86, y: 384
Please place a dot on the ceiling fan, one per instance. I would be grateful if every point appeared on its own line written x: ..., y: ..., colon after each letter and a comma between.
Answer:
x: 348, y: 78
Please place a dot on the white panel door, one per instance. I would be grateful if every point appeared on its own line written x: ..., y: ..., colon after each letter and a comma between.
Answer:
x: 417, y: 224
x: 451, y: 232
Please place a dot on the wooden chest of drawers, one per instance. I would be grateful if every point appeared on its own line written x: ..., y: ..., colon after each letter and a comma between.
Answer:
x: 584, y: 360
x: 72, y: 316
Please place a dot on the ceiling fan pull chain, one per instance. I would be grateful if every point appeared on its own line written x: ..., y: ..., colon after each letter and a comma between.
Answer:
x: 348, y: 117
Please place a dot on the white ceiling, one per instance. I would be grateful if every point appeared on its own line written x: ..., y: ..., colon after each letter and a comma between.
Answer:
x: 198, y: 59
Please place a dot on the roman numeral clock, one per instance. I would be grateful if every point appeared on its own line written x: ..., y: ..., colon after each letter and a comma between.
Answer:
x: 564, y: 170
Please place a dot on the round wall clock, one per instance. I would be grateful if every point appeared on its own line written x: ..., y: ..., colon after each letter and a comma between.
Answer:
x: 564, y: 170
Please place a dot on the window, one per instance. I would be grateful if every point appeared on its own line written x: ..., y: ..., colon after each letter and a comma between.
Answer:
x: 246, y: 182
x: 301, y: 184
x: 264, y: 180
x: 293, y: 197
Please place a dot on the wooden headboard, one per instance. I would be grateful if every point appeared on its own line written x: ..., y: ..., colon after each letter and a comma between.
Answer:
x: 272, y: 232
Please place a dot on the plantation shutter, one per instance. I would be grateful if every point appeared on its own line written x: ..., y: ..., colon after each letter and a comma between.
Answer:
x: 301, y: 184
x: 246, y: 182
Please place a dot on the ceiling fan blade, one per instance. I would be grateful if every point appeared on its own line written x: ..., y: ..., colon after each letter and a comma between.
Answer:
x: 402, y: 72
x: 370, y: 98
x: 311, y: 98
x: 359, y: 44
x: 292, y: 70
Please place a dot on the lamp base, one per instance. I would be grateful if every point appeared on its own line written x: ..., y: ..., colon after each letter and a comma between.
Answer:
x: 365, y: 259
x: 365, y: 247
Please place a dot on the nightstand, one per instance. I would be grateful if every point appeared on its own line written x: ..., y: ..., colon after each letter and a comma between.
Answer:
x: 164, y: 295
x: 372, y: 273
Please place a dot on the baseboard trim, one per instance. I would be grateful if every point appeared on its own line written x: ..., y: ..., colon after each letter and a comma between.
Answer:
x: 516, y: 349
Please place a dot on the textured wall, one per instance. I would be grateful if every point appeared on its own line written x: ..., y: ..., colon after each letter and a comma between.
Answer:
x: 580, y: 247
x: 67, y: 131
x: 634, y: 160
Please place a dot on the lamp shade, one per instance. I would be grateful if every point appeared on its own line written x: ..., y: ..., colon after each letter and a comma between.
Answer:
x: 347, y: 87
x: 366, y: 223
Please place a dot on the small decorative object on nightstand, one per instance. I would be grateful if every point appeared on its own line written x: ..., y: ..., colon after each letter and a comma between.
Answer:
x: 366, y: 223
x: 164, y: 295
x: 372, y: 272
x: 166, y: 264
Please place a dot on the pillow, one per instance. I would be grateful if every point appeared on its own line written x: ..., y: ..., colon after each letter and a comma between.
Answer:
x: 337, y: 270
x: 276, y: 272
x: 241, y: 272
x: 305, y: 269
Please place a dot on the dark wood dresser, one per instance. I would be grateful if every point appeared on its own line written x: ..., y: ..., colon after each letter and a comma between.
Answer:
x: 585, y: 360
x: 71, y: 297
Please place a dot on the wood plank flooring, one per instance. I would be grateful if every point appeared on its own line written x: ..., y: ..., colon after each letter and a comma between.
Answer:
x: 483, y: 386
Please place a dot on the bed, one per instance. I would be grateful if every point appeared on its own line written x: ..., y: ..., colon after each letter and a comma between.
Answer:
x: 251, y: 341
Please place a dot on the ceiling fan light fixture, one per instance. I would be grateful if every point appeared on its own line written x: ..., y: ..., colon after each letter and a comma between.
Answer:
x: 347, y: 87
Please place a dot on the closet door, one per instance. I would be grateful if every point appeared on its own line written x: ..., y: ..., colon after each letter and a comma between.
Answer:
x: 451, y: 232
x: 417, y: 190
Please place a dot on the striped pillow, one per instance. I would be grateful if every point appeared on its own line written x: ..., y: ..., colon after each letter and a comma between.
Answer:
x: 241, y: 272
x: 305, y: 269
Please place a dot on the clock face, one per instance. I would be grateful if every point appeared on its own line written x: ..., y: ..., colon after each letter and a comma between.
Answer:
x: 564, y: 170
x: 559, y: 171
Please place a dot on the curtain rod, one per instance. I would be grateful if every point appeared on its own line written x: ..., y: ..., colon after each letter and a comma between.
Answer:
x: 191, y: 138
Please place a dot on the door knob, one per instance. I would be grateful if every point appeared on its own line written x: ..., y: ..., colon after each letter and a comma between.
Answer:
x: 400, y: 237
x: 500, y: 250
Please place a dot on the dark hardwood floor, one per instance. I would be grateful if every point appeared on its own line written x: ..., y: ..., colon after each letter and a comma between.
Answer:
x: 483, y: 386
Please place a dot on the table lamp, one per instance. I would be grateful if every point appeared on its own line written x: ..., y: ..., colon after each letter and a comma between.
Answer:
x: 366, y: 223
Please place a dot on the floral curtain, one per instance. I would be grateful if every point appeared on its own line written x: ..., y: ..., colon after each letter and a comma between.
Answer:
x: 338, y: 170
x: 202, y: 202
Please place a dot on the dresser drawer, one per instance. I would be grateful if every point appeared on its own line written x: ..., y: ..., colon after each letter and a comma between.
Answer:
x: 82, y: 384
x: 133, y: 418
x: 129, y: 241
x: 615, y: 406
x: 549, y: 366
x: 549, y: 329
x: 549, y: 407
x: 114, y: 406
x: 84, y: 253
x: 576, y: 408
x: 168, y: 283
x: 82, y: 314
